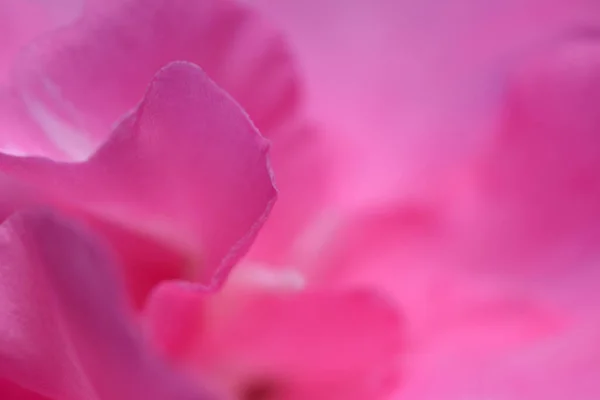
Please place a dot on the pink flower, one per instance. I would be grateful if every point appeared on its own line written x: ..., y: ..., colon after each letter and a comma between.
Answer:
x: 408, y: 85
x: 488, y: 241
x: 66, y: 332
x: 175, y: 188
x: 269, y: 335
x: 483, y: 235
x: 184, y: 140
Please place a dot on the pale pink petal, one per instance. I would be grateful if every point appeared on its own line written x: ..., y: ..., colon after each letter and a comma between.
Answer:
x: 181, y: 188
x: 472, y: 334
x: 379, y: 240
x: 302, y: 168
x: 73, y: 85
x: 564, y: 365
x: 65, y: 325
x: 526, y: 212
x: 20, y: 134
x: 324, y: 345
x: 84, y: 77
x: 540, y: 181
x: 409, y: 82
x: 21, y: 21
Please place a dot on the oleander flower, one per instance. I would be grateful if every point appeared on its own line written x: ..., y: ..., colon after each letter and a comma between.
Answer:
x: 408, y: 86
x: 125, y: 118
x: 65, y: 328
x: 270, y: 334
x: 488, y: 236
x: 146, y: 184
x: 435, y: 234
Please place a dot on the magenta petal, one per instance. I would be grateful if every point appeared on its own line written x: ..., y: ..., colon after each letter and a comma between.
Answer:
x: 562, y: 366
x: 65, y: 327
x: 407, y: 84
x: 88, y: 74
x: 187, y: 171
x: 308, y: 344
x: 22, y: 135
x: 543, y: 173
x: 302, y: 166
x: 22, y: 20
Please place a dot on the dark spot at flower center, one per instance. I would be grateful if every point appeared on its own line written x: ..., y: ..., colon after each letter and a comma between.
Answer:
x: 259, y: 390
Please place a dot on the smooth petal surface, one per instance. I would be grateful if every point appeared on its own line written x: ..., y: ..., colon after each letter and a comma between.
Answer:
x: 409, y: 84
x: 290, y: 344
x: 303, y: 171
x: 12, y: 391
x: 22, y: 21
x: 473, y: 333
x: 65, y: 328
x: 540, y: 180
x: 71, y: 86
x: 510, y: 332
x: 556, y: 367
x: 427, y: 80
x: 181, y: 189
x: 525, y: 211
x: 79, y: 81
x: 21, y: 134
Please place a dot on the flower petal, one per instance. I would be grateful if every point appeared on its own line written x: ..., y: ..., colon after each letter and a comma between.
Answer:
x: 88, y: 74
x: 556, y: 367
x: 20, y: 134
x: 406, y: 84
x: 543, y: 172
x: 276, y: 337
x: 66, y: 330
x: 303, y: 170
x: 22, y: 20
x: 182, y: 187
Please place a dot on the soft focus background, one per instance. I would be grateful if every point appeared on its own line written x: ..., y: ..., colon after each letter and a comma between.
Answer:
x: 437, y: 229
x: 467, y: 135
x: 414, y: 80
